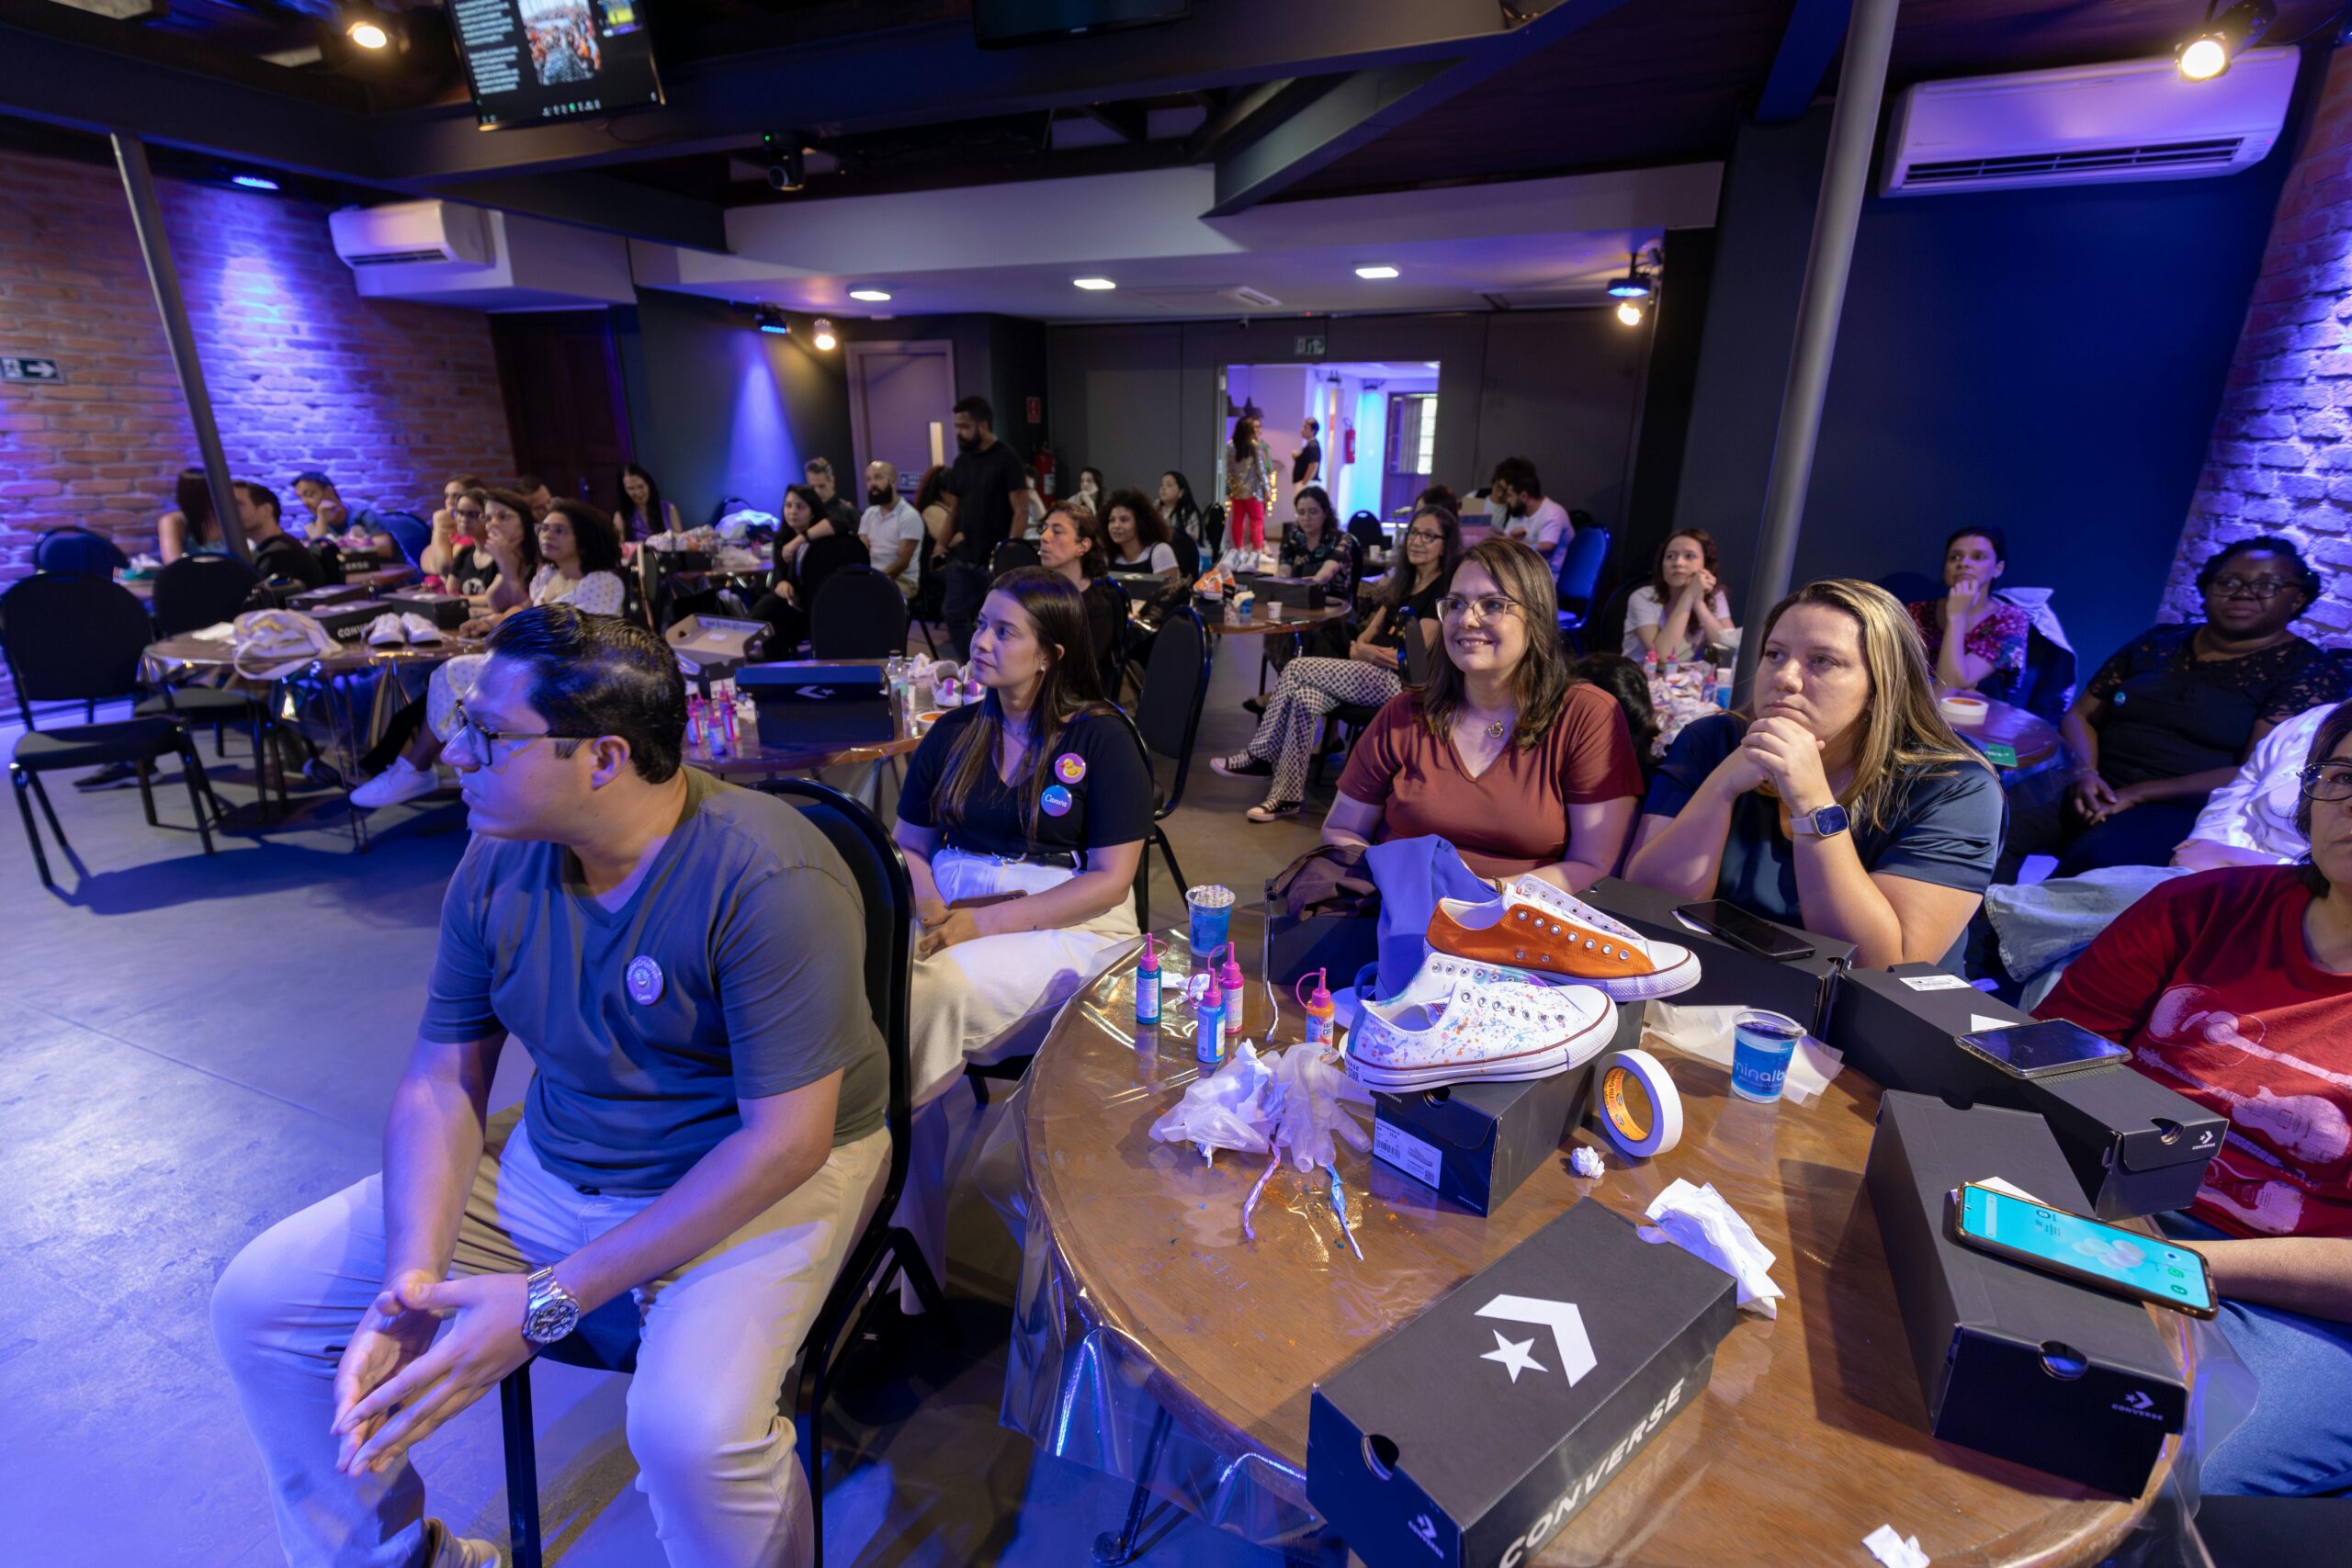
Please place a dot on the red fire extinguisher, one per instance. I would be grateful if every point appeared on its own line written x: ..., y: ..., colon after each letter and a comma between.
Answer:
x: 1348, y: 442
x: 1044, y: 464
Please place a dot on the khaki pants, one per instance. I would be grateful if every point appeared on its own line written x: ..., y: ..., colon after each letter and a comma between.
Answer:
x: 714, y: 1458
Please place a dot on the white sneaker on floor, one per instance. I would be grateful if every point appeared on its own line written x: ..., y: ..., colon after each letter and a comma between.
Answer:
x: 402, y: 781
x: 385, y: 631
x: 419, y: 629
x: 1466, y: 1026
x: 444, y: 1548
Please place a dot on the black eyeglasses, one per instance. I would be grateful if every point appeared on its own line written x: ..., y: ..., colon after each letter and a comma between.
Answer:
x: 2262, y: 588
x: 469, y: 742
x: 2328, y: 781
x: 1427, y: 535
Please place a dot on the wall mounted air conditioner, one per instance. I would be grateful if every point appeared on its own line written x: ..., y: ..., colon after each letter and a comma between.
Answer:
x: 2137, y: 120
x: 411, y: 233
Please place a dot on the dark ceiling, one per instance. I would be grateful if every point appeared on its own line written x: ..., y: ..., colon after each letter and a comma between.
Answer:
x: 1291, y: 98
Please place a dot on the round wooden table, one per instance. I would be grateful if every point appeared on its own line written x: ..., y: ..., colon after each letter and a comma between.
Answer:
x: 1262, y: 624
x: 751, y: 759
x: 1811, y: 1433
x: 2033, y: 738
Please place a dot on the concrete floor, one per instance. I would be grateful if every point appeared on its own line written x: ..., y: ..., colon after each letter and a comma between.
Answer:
x: 204, y: 1046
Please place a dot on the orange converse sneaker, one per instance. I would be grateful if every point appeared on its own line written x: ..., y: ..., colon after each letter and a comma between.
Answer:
x: 1537, y: 927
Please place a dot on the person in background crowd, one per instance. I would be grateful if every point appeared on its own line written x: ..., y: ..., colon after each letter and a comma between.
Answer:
x: 1444, y: 498
x: 1516, y: 497
x: 1313, y: 545
x: 2235, y: 988
x: 834, y: 512
x: 1501, y: 754
x: 1973, y: 639
x: 1138, y: 535
x: 892, y: 530
x: 1684, y: 612
x: 533, y: 489
x: 1071, y: 545
x: 1245, y: 477
x: 505, y: 564
x: 580, y: 560
x: 706, y: 1142
x: 1037, y: 504
x: 1844, y: 804
x: 2172, y: 715
x: 992, y: 494
x: 1371, y: 675
x: 1023, y: 818
x: 277, y: 555
x: 937, y: 509
x: 1090, y: 490
x: 449, y: 528
x: 642, y: 511
x: 1182, y: 512
x: 190, y: 528
x: 1306, y: 464
x: 802, y: 514
x: 1630, y: 685
x: 334, y: 518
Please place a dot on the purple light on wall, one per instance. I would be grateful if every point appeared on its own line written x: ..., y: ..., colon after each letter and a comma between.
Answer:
x: 761, y: 457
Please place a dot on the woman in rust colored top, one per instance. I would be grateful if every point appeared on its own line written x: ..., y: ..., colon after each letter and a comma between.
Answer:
x: 1502, y: 754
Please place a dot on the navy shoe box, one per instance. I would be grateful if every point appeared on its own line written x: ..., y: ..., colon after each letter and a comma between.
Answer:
x: 812, y: 702
x: 2012, y: 1362
x: 1730, y: 975
x: 1473, y: 1433
x: 1475, y: 1143
x: 2135, y: 1147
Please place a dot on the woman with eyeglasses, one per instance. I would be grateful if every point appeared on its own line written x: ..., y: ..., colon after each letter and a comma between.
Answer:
x: 1842, y: 802
x: 2170, y: 718
x: 1502, y: 754
x: 1373, y: 672
x: 2235, y: 988
x: 455, y: 523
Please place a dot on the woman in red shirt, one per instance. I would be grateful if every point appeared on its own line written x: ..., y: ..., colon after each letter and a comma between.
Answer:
x: 2235, y: 988
x: 1503, y: 755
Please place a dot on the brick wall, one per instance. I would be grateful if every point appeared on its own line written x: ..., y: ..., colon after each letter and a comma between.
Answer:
x: 2281, y: 459
x: 389, y: 398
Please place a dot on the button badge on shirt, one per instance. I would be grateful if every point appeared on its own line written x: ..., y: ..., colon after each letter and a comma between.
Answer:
x: 1055, y: 800
x: 1069, y: 767
x: 644, y: 980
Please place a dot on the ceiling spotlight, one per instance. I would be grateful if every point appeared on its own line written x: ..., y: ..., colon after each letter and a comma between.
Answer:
x: 1631, y: 311
x: 2206, y: 53
x: 1093, y: 284
x: 370, y: 26
x: 788, y: 161
x: 871, y: 296
x: 253, y: 182
x: 771, y: 320
x: 1634, y: 285
x: 823, y: 336
x: 1375, y: 272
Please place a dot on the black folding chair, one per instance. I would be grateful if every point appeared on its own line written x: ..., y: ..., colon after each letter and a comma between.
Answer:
x: 1010, y: 555
x: 79, y: 551
x: 858, y: 614
x: 1167, y: 720
x: 191, y: 593
x: 79, y: 640
x: 607, y: 1339
x: 1351, y: 719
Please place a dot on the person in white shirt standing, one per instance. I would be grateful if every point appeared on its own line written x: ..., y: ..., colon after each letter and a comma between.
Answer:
x: 892, y: 530
x: 1515, y: 498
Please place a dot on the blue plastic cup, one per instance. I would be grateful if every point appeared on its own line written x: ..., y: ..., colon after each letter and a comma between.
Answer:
x: 1761, y: 1044
x: 1212, y: 907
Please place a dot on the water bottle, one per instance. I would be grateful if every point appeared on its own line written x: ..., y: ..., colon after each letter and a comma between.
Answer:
x: 1320, y: 1010
x: 1235, y: 986
x: 1148, y: 985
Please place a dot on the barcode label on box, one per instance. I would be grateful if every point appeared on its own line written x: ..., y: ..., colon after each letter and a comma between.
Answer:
x: 1934, y: 982
x: 1405, y: 1152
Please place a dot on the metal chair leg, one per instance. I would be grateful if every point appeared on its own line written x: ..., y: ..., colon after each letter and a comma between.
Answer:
x: 200, y: 788
x: 57, y: 829
x: 1114, y: 1550
x: 1168, y: 852
x: 147, y: 791
x: 19, y: 779
x: 523, y: 1542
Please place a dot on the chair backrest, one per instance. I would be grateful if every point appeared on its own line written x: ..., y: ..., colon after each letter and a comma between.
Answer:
x: 78, y: 550
x: 1010, y: 554
x: 1365, y: 529
x: 1417, y: 655
x: 2047, y: 688
x: 195, y: 591
x: 1188, y: 553
x: 1175, y: 684
x: 858, y: 614
x: 1580, y: 568
x: 72, y: 640
x: 1115, y: 658
x: 410, y: 532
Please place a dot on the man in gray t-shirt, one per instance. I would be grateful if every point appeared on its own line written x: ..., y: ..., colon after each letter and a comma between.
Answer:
x: 683, y: 961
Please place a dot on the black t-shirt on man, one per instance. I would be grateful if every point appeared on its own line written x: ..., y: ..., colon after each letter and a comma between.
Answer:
x: 1308, y: 456
x: 983, y: 482
x: 1105, y: 795
x: 282, y: 556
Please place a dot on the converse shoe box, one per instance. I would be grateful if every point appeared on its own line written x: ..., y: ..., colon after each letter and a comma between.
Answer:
x: 1290, y: 592
x: 1731, y: 976
x: 447, y: 611
x: 349, y: 623
x: 1475, y: 1143
x: 2014, y: 1362
x: 2136, y: 1147
x: 820, y: 702
x: 711, y: 647
x: 312, y: 600
x: 1471, y: 1435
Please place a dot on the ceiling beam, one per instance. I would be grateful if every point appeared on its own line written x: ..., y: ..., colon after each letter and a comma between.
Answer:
x: 586, y: 199
x: 1282, y: 145
x: 1126, y: 121
x: 1808, y: 43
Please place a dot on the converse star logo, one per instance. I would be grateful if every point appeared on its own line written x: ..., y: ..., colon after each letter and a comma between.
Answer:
x: 1567, y: 1335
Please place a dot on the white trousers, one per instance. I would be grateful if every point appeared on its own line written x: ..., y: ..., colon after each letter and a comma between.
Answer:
x: 714, y: 1458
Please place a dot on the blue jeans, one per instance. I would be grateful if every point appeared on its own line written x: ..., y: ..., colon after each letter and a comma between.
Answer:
x: 2297, y: 1441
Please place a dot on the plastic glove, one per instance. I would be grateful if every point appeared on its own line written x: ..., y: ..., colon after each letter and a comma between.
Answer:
x: 1225, y: 1110
x: 1309, y: 1107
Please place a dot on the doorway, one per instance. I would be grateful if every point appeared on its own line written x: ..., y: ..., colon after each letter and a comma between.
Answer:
x: 901, y: 396
x: 1376, y: 427
x: 561, y: 378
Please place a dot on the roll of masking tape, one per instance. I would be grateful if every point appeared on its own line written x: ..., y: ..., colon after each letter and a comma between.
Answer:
x: 1638, y: 1106
x: 1964, y: 707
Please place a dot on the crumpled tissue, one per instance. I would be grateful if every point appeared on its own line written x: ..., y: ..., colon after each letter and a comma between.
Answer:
x: 1698, y: 1221
x: 1705, y: 1032
x: 1895, y: 1551
x: 1224, y: 1110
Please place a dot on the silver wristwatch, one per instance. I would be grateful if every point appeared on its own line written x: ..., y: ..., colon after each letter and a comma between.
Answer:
x: 1827, y: 822
x: 550, y: 1312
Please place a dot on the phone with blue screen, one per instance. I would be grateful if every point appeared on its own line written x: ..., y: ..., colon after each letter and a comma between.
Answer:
x: 2072, y: 1246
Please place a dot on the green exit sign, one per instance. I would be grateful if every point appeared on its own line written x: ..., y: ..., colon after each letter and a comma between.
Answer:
x: 1307, y: 347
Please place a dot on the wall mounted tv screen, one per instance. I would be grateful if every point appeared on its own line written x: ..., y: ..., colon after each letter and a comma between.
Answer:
x: 539, y: 60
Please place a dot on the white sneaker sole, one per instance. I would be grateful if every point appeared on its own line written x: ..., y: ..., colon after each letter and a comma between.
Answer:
x: 1668, y: 982
x: 426, y: 783
x: 1541, y: 1063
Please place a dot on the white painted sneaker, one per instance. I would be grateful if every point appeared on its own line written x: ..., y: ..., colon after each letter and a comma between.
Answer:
x: 419, y: 629
x: 1539, y: 928
x: 1477, y: 1028
x: 385, y: 631
x: 402, y: 781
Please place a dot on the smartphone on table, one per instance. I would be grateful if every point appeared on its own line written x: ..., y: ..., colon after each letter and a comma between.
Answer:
x: 1721, y: 917
x: 2087, y: 1251
x: 2045, y: 1048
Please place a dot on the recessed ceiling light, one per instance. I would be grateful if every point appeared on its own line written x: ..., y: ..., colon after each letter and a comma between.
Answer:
x: 369, y: 35
x: 1375, y: 272
x: 1093, y: 284
x: 871, y: 296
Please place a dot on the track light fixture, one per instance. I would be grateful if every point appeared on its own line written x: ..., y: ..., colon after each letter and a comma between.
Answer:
x: 1631, y: 311
x: 788, y: 161
x: 1635, y: 284
x: 771, y: 319
x: 2207, y: 53
x: 822, y: 336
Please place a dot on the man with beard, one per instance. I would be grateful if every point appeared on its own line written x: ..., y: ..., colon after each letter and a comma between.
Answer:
x: 891, y: 528
x: 991, y: 488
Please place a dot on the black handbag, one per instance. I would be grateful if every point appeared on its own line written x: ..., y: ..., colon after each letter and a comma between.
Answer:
x: 1322, y: 912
